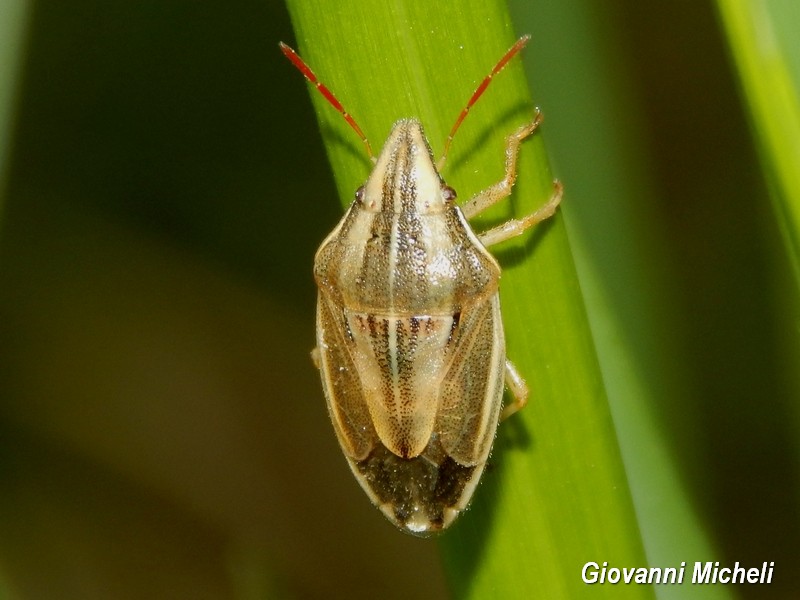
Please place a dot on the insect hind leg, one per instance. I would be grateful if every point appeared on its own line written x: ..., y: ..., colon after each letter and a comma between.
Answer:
x: 315, y: 358
x: 518, y: 388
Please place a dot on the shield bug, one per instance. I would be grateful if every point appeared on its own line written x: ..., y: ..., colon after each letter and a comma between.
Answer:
x: 410, y: 343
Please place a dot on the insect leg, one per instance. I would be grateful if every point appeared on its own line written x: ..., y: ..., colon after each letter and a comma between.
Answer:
x: 515, y: 227
x: 502, y: 189
x: 518, y: 388
x: 315, y: 357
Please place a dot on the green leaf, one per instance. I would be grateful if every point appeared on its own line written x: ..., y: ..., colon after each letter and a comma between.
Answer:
x: 763, y: 39
x: 631, y: 293
x: 556, y: 496
x: 764, y: 44
x: 13, y: 20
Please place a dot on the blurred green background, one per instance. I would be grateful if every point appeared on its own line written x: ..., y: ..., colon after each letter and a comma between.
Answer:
x: 164, y: 188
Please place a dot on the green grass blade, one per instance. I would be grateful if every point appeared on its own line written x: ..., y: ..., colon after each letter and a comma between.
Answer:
x: 557, y: 496
x: 764, y: 44
x: 623, y: 265
x: 763, y: 40
x: 13, y: 19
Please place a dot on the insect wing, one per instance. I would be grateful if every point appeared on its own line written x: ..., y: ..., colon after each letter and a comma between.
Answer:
x: 402, y: 361
x: 423, y: 494
x: 472, y: 392
x: 341, y: 383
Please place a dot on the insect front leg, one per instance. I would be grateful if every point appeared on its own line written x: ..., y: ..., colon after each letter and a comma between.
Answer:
x: 518, y: 388
x: 502, y: 189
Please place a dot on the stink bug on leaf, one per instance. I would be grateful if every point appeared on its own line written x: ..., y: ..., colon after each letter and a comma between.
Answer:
x: 410, y: 342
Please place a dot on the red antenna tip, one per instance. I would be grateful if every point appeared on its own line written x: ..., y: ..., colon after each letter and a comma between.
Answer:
x: 301, y: 66
x: 510, y: 53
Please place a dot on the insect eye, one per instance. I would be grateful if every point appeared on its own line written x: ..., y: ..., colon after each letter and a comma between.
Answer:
x: 360, y: 194
x: 448, y: 193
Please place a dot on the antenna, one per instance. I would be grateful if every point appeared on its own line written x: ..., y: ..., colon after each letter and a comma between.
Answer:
x: 479, y: 92
x: 329, y: 96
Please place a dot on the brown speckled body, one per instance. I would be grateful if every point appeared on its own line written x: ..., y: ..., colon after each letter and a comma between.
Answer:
x: 410, y: 339
x: 410, y: 342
